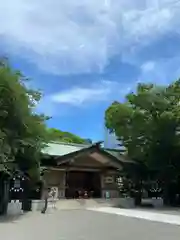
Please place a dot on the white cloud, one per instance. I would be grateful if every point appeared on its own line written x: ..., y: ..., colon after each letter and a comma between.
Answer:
x: 148, y: 66
x: 80, y: 96
x: 68, y: 36
x: 163, y: 72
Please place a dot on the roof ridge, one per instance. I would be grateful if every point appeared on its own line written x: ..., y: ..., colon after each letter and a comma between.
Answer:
x: 71, y: 144
x: 112, y: 149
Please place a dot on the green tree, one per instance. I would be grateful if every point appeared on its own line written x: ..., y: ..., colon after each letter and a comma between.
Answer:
x: 148, y: 124
x: 58, y: 135
x: 22, y: 131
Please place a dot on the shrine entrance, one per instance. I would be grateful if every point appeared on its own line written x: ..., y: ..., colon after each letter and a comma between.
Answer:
x: 83, y: 184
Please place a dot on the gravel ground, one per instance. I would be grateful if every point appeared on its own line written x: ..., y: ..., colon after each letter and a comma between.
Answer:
x: 84, y: 225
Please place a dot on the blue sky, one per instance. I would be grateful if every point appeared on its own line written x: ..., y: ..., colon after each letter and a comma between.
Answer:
x: 85, y: 54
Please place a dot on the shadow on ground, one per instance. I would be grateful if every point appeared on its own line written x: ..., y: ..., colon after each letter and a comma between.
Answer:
x: 82, y: 202
x: 11, y: 218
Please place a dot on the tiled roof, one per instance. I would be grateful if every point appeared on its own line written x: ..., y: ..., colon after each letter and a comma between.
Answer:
x: 61, y: 149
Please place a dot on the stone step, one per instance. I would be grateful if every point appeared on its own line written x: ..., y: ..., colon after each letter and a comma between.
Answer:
x: 86, y: 203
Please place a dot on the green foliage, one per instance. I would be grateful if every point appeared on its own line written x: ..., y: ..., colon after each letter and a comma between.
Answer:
x: 22, y: 131
x: 148, y: 125
x: 58, y: 135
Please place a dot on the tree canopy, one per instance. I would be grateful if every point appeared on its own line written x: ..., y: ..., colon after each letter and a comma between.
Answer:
x: 58, y: 135
x: 148, y: 125
x: 22, y: 131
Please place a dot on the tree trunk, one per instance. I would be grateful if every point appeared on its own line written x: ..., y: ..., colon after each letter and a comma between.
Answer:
x: 138, y: 198
x: 26, y: 201
x: 138, y: 193
x: 169, y: 194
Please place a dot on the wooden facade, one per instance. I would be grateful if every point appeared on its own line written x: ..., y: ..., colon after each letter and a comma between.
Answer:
x: 90, y: 170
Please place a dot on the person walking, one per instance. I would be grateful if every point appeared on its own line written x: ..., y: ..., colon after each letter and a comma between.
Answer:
x: 53, y: 194
x: 45, y: 197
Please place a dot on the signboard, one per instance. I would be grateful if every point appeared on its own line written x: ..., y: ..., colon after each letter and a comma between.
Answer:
x: 109, y: 179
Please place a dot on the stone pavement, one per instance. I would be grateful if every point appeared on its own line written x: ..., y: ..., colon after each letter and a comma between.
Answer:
x: 154, y: 215
x: 85, y: 225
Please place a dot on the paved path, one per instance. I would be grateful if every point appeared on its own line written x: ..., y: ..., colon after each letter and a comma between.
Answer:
x: 156, y: 216
x: 85, y: 225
